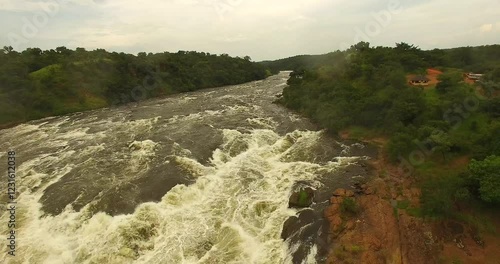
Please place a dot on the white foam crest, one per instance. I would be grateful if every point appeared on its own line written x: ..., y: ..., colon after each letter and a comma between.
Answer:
x: 33, y: 180
x: 178, y: 150
x: 228, y: 96
x: 302, y: 144
x: 267, y: 123
x: 92, y: 150
x: 346, y: 149
x: 210, y: 113
x: 55, y: 122
x: 241, y: 108
x: 195, y: 116
x: 294, y: 117
x: 195, y: 168
x: 31, y: 175
x: 24, y: 129
x: 74, y: 134
x: 236, y: 142
x: 311, y: 257
x: 17, y: 137
x: 189, y: 98
x: 137, y: 125
x: 142, y: 152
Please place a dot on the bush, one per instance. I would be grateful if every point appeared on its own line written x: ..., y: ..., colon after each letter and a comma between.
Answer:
x: 485, y: 175
x: 403, y: 204
x: 355, y: 249
x: 303, y: 198
x: 439, y: 194
x: 349, y: 206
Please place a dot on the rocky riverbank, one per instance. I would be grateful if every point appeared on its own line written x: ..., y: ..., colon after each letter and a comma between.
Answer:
x: 379, y: 222
x: 375, y: 231
x: 309, y: 228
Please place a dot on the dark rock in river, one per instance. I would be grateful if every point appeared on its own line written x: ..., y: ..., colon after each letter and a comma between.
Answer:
x: 306, y: 229
x: 301, y: 198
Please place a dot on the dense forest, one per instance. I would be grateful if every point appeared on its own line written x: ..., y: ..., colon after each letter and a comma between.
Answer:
x: 366, y: 90
x: 469, y: 59
x: 37, y: 83
x: 299, y: 62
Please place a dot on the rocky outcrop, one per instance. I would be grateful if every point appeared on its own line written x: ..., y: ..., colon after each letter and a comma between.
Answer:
x: 343, y: 193
x: 379, y: 233
x: 303, y: 197
x: 389, y: 228
x: 334, y: 213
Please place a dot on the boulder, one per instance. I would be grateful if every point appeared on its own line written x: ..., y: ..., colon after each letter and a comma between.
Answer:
x: 301, y: 198
x: 339, y: 193
x: 369, y: 191
x: 290, y: 226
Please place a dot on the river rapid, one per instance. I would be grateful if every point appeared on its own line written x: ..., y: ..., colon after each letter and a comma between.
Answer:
x: 201, y: 177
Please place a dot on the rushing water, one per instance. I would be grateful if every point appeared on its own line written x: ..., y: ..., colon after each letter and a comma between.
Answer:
x: 202, y: 177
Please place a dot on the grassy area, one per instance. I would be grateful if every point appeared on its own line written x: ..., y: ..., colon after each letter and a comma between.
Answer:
x: 46, y: 72
x: 404, y: 204
x: 471, y: 129
x: 432, y: 97
x: 414, y: 211
x: 359, y: 133
x: 479, y: 218
x: 437, y: 168
x: 348, y: 253
x: 355, y: 249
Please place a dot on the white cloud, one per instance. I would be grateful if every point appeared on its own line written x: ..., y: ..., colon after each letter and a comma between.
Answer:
x: 41, y: 5
x: 486, y: 28
x: 261, y: 29
x: 19, y: 6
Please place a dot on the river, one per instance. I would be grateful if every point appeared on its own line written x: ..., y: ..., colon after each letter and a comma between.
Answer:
x: 201, y: 177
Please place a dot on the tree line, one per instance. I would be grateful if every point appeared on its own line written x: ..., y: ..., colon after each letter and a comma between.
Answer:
x: 38, y: 83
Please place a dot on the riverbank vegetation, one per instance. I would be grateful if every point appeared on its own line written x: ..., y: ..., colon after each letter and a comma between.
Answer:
x: 38, y: 83
x: 446, y: 135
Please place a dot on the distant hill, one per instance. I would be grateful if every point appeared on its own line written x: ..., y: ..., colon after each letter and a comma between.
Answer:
x: 299, y: 62
x: 474, y: 59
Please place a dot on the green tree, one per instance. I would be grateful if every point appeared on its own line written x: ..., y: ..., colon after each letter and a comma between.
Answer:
x: 462, y: 57
x: 399, y: 145
x: 486, y: 176
x: 448, y: 81
x: 442, y: 143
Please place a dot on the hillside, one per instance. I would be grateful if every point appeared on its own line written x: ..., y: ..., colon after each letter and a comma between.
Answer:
x: 301, y: 62
x: 36, y: 83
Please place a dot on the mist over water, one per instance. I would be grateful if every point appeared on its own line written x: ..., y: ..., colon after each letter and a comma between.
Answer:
x: 202, y: 177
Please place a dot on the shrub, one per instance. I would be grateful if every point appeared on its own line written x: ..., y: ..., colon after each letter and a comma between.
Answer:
x: 486, y: 175
x: 349, y: 206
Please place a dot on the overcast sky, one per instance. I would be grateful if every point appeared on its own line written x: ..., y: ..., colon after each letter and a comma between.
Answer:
x: 262, y: 29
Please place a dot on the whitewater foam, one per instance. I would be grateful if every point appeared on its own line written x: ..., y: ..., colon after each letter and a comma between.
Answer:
x: 232, y: 213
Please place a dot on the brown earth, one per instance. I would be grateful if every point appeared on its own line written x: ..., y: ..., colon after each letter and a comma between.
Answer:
x: 433, y: 74
x: 383, y: 232
x: 469, y: 81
